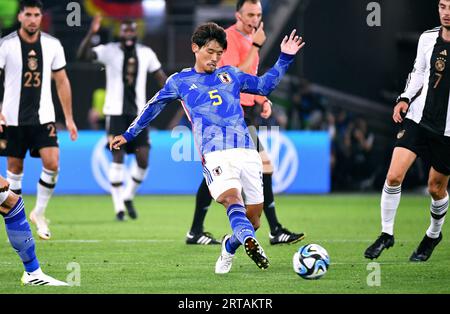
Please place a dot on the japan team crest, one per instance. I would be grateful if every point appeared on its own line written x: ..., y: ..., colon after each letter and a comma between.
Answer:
x: 217, y: 171
x: 225, y: 77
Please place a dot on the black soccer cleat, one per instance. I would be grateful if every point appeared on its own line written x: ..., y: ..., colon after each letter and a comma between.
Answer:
x: 130, y: 209
x: 204, y: 238
x: 120, y: 216
x: 384, y: 241
x: 283, y: 236
x: 425, y: 248
x: 256, y: 253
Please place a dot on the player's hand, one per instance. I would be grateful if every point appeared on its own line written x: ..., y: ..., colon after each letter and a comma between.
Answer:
x: 292, y: 44
x: 259, y: 36
x: 4, y: 185
x: 96, y: 24
x: 266, y: 111
x: 2, y: 122
x: 72, y: 128
x: 116, y: 142
x: 401, y: 107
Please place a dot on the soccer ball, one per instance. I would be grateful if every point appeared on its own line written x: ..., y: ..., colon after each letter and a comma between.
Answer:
x: 311, y: 261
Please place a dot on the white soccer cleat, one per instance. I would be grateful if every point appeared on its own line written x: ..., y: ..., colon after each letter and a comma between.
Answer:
x: 41, y: 223
x: 40, y: 279
x: 225, y: 260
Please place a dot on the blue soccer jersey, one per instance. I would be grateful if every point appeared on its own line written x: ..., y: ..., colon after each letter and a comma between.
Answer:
x: 212, y: 103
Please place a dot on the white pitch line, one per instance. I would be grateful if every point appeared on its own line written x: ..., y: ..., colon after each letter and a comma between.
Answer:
x: 71, y: 241
x: 382, y: 263
x: 144, y: 240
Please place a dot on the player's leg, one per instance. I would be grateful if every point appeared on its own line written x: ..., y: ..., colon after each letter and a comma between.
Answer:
x: 138, y: 174
x: 14, y: 174
x: 16, y: 149
x: 252, y: 187
x: 196, y: 235
x: 116, y: 125
x: 18, y: 230
x: 278, y: 234
x: 243, y: 230
x: 222, y: 173
x: 437, y: 186
x: 43, y: 141
x: 401, y: 161
x: 116, y: 177
x: 45, y: 187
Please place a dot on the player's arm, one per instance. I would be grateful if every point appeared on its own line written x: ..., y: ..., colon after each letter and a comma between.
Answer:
x: 2, y: 117
x: 151, y: 110
x: 265, y: 84
x: 413, y: 85
x: 266, y: 106
x: 85, y: 52
x: 259, y: 38
x: 161, y: 77
x: 2, y: 66
x: 154, y: 67
x: 65, y: 97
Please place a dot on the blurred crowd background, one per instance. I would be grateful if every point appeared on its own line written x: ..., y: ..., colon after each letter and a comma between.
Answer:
x: 345, y: 82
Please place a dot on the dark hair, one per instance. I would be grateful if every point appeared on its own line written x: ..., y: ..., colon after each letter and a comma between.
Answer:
x: 240, y: 3
x: 30, y: 4
x: 208, y: 32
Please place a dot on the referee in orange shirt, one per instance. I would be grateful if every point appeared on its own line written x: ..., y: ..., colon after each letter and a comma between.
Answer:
x: 245, y: 38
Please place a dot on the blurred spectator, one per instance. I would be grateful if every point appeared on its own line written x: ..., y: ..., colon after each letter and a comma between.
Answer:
x: 278, y: 118
x: 361, y: 151
x: 8, y: 16
x: 354, y: 167
x: 95, y: 116
x: 305, y: 105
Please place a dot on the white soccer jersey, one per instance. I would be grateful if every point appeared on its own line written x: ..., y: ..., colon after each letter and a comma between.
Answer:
x: 428, y: 86
x: 28, y: 69
x: 113, y: 56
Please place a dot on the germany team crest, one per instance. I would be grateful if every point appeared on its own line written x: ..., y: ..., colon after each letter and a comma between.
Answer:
x: 225, y: 77
x: 32, y: 61
x: 440, y: 64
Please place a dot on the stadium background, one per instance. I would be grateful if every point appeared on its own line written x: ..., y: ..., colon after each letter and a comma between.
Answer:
x: 347, y: 78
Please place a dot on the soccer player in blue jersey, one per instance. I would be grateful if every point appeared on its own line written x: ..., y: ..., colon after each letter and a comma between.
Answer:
x: 231, y: 164
x: 19, y: 234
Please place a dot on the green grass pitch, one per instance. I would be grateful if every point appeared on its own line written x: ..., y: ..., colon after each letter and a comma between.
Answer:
x: 149, y: 255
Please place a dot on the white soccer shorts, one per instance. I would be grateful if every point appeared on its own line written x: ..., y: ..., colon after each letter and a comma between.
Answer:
x: 237, y: 168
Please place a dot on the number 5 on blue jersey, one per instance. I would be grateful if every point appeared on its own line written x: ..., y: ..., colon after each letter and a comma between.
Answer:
x: 216, y: 97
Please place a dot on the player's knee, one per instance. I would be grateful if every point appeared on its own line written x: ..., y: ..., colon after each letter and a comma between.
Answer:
x: 437, y: 189
x: 143, y: 164
x: 15, y: 168
x: 52, y: 165
x: 256, y: 222
x: 228, y: 200
x: 118, y: 157
x: 7, y: 201
x: 394, y: 178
